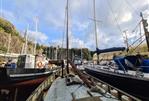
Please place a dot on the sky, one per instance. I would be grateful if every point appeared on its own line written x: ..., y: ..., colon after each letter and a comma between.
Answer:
x: 113, y: 18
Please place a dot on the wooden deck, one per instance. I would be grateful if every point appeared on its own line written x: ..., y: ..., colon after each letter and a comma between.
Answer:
x: 59, y: 91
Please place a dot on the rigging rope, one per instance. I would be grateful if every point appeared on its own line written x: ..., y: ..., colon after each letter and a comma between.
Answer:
x: 119, y: 11
x: 118, y: 25
x: 115, y: 18
x: 138, y: 46
x: 140, y: 31
x: 140, y: 38
x: 129, y: 4
x: 136, y: 26
x: 135, y: 41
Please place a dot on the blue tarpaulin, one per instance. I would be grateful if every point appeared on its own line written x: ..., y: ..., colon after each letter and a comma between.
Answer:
x: 143, y: 64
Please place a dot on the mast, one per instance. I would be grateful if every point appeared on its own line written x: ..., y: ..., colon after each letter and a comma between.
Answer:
x: 9, y: 41
x: 67, y: 37
x: 95, y: 26
x: 81, y: 52
x: 126, y: 39
x: 56, y: 52
x: 36, y: 29
x: 26, y: 40
x: 22, y: 51
x: 145, y: 24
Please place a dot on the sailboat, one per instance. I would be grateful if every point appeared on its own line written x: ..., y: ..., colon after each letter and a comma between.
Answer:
x: 25, y: 76
x: 73, y: 86
x: 128, y: 73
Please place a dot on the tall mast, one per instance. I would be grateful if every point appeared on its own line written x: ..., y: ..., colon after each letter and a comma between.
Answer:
x: 126, y: 39
x: 67, y: 36
x: 81, y: 53
x: 145, y: 24
x: 26, y: 40
x: 9, y: 41
x: 36, y: 29
x: 95, y: 26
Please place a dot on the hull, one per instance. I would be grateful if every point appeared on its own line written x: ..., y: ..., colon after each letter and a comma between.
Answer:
x: 135, y: 86
x: 19, y: 77
x: 20, y: 82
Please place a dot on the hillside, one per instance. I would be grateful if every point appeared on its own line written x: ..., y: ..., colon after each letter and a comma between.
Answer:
x: 17, y: 41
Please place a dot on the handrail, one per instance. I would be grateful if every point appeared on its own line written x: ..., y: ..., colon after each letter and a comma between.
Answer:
x: 92, y: 83
x: 122, y: 67
x: 112, y: 87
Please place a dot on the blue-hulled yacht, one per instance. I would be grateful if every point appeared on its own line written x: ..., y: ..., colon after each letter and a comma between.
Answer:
x: 129, y: 73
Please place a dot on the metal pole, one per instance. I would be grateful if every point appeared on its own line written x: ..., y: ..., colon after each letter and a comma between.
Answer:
x: 62, y: 68
x: 126, y: 39
x: 67, y: 38
x: 56, y: 48
x: 36, y: 29
x: 26, y: 40
x: 22, y: 51
x: 9, y: 41
x: 145, y: 24
x: 81, y: 53
x: 95, y: 29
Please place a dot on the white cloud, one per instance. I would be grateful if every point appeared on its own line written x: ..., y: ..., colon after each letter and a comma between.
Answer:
x: 80, y: 26
x: 105, y: 40
x: 52, y: 14
x: 126, y: 17
x: 77, y: 43
x: 73, y: 42
x: 38, y: 36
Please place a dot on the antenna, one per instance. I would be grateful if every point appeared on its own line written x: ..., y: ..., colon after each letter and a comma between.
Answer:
x: 36, y: 29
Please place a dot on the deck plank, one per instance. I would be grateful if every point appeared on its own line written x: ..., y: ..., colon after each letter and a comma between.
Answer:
x: 59, y: 91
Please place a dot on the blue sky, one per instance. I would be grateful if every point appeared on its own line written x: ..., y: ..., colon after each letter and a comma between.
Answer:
x: 51, y: 17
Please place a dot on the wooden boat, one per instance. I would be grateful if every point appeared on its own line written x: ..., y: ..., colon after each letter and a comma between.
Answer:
x: 22, y: 77
x: 73, y: 86
x: 25, y: 77
x: 74, y: 90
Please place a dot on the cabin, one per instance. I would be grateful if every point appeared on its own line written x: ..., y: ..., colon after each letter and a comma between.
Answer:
x: 26, y: 61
